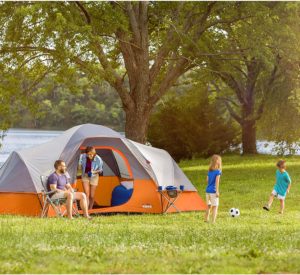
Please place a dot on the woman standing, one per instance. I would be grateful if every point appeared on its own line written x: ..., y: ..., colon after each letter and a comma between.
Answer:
x: 91, y: 165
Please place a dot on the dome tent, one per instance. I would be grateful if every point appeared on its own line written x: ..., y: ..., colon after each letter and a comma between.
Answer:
x: 149, y: 167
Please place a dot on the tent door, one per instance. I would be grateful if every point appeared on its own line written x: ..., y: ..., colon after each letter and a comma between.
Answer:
x: 116, y: 184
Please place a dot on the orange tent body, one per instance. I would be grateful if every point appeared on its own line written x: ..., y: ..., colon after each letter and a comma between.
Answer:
x: 145, y: 198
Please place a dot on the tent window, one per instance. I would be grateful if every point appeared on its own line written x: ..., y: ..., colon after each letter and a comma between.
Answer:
x: 124, y: 173
x: 113, y: 163
x: 110, y: 166
x: 106, y: 170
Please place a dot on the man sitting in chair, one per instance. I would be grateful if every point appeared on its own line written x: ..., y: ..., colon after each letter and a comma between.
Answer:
x: 59, y: 182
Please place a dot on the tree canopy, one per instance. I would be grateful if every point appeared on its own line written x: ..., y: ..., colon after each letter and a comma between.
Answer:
x: 139, y: 48
x: 260, y: 50
x: 241, y: 51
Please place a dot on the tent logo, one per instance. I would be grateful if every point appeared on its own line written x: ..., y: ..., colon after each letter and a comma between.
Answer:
x: 147, y: 205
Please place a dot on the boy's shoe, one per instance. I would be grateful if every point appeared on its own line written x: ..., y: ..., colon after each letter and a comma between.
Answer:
x: 266, y: 208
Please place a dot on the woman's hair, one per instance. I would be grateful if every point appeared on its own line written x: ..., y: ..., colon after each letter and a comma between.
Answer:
x: 89, y: 149
x: 280, y: 163
x: 215, y: 163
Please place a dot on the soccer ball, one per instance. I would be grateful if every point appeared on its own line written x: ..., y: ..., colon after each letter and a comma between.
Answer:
x: 234, y: 212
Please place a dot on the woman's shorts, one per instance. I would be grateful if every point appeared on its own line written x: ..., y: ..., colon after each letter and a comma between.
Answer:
x: 212, y: 199
x: 92, y: 180
x: 280, y: 197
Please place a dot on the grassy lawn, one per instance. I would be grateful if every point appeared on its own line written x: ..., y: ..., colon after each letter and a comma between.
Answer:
x: 256, y: 242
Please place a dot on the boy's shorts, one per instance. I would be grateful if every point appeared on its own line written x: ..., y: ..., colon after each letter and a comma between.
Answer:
x: 280, y: 197
x: 58, y: 195
x: 92, y: 180
x: 211, y: 199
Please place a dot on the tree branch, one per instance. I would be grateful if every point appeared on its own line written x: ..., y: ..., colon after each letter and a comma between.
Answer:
x: 233, y: 113
x: 233, y: 84
x: 224, y: 21
x: 203, y: 20
x: 272, y: 78
x: 229, y: 100
x: 171, y: 76
x: 26, y: 49
x: 112, y: 77
x: 127, y: 52
x: 86, y: 14
x: 30, y: 59
x: 37, y: 81
x: 133, y: 22
x: 172, y: 42
x: 239, y: 70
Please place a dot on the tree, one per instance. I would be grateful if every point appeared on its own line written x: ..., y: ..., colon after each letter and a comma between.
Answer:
x: 59, y: 104
x: 281, y: 119
x: 199, y: 126
x: 137, y: 47
x: 246, y: 79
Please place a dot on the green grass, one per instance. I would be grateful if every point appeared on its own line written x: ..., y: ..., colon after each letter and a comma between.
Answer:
x: 256, y: 242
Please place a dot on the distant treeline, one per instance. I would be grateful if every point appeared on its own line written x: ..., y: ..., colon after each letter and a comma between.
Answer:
x: 61, y: 106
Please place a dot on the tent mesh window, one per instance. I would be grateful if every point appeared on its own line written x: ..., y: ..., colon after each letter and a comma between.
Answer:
x: 113, y: 163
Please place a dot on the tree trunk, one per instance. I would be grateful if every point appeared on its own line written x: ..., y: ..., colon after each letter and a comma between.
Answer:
x: 136, y: 125
x: 249, y: 137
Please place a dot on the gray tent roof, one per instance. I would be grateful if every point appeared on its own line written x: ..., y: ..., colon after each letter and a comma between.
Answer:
x: 22, y: 170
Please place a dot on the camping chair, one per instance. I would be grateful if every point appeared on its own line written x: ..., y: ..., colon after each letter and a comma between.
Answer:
x: 55, y: 203
x: 170, y: 195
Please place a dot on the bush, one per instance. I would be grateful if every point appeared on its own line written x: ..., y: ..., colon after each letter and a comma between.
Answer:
x: 192, y: 125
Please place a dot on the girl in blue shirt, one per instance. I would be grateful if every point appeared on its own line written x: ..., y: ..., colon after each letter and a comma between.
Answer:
x: 212, y: 189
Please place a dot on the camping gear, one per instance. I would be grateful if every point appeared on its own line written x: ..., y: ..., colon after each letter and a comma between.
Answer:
x: 171, y: 191
x: 149, y: 167
x: 170, y: 196
x: 120, y: 195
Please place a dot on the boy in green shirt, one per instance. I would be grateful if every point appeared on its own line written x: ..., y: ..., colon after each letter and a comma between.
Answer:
x: 281, y: 188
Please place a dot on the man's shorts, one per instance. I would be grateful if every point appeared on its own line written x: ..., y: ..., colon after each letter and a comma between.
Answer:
x: 92, y: 180
x: 58, y: 195
x: 211, y: 199
x: 280, y: 197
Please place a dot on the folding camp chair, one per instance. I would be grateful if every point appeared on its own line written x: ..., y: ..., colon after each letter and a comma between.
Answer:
x: 170, y: 195
x: 55, y: 203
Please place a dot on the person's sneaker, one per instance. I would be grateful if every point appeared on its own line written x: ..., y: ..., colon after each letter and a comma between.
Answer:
x: 266, y: 208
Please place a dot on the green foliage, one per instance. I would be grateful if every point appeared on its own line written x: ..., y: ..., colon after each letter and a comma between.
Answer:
x: 64, y: 40
x: 283, y: 104
x: 266, y: 37
x: 258, y: 242
x: 192, y: 124
x: 249, y: 65
x: 61, y: 104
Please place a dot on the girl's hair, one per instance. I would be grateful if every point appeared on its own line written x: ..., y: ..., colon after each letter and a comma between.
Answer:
x: 89, y: 149
x: 280, y: 163
x: 215, y: 163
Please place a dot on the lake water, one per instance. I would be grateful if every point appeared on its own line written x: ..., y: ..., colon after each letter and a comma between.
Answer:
x: 17, y: 139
